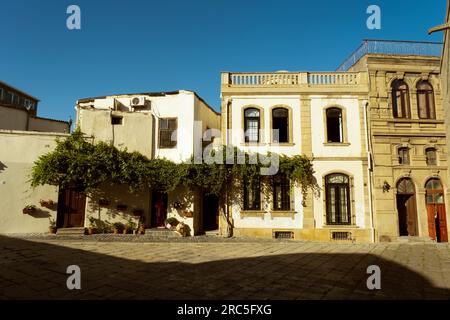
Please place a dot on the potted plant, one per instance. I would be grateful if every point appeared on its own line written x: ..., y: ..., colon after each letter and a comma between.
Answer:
x: 182, y: 229
x: 46, y: 203
x: 92, y: 223
x: 29, y: 209
x: 141, y: 228
x: 118, y: 227
x: 129, y: 227
x: 52, y: 226
x: 171, y: 223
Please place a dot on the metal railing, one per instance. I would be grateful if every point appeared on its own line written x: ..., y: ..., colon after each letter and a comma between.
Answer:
x: 392, y: 47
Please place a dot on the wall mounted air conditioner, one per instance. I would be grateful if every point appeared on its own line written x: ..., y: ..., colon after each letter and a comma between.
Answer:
x: 137, y: 102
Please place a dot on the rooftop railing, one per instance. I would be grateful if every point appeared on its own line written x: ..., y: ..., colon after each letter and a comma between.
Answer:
x: 392, y: 47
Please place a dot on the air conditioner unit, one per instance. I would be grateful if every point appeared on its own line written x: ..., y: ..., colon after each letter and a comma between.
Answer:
x: 137, y: 102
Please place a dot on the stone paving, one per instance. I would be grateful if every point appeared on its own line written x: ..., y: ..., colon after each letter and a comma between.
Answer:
x: 34, y: 267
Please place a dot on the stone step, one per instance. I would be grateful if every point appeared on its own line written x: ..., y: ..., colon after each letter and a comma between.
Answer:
x: 409, y: 239
x: 160, y: 233
x: 79, y: 231
x: 212, y: 233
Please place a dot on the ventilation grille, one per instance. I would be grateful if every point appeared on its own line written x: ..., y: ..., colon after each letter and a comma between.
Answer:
x: 341, y: 236
x: 283, y: 235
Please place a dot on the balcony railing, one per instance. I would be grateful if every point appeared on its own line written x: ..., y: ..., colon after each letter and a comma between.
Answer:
x: 391, y: 47
x: 291, y: 79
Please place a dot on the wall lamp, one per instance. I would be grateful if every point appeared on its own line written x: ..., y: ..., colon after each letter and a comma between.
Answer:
x: 386, y: 186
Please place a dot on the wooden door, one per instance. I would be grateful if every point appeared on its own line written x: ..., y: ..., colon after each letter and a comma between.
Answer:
x: 159, y: 209
x: 437, y: 221
x: 406, y: 208
x: 71, y: 208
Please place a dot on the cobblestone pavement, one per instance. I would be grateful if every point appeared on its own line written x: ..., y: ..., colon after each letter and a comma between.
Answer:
x: 212, y: 268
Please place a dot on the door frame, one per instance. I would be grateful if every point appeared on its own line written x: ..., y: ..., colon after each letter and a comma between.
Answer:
x: 436, y: 210
x: 410, y: 192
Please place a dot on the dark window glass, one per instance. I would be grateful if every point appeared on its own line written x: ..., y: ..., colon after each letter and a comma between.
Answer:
x: 425, y: 100
x: 337, y: 197
x: 403, y: 156
x: 251, y: 125
x: 252, y: 194
x: 334, y: 125
x: 400, y: 99
x: 167, y: 133
x: 280, y: 125
x: 431, y: 156
x: 281, y: 193
x: 116, y: 120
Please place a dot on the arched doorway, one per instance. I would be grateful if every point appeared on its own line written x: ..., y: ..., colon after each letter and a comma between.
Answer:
x: 437, y: 222
x: 406, y: 208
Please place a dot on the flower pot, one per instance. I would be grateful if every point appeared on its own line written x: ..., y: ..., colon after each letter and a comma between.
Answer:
x: 46, y: 203
x: 121, y: 207
x: 92, y: 231
x: 28, y: 211
x: 52, y: 230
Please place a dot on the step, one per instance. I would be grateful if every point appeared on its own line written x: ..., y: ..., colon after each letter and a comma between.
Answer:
x: 78, y: 231
x: 212, y: 233
x: 161, y: 233
x: 409, y: 239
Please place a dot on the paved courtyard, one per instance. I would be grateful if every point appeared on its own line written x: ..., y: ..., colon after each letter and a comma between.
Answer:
x: 35, y: 268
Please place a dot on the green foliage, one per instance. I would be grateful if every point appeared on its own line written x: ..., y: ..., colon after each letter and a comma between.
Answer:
x: 79, y: 163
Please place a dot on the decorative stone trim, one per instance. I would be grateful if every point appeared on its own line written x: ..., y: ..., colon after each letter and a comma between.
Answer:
x: 252, y: 214
x: 282, y: 214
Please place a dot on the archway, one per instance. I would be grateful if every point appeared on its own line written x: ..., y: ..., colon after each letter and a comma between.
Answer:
x: 406, y: 208
x: 437, y: 222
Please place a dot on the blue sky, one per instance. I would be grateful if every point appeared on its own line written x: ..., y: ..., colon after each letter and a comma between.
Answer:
x: 139, y: 46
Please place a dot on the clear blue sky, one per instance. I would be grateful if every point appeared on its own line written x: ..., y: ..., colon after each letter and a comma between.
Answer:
x: 139, y: 46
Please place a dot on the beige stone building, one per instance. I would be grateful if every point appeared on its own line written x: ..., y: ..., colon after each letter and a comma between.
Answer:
x: 383, y: 172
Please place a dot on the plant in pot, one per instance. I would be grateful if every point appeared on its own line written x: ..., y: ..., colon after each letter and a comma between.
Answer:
x: 52, y: 226
x: 118, y: 227
x: 46, y: 203
x: 129, y: 227
x: 171, y: 223
x: 122, y: 207
x: 141, y: 227
x: 92, y: 226
x: 29, y: 209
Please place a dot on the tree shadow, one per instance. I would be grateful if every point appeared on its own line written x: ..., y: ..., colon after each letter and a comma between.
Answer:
x: 36, y: 270
x: 2, y: 166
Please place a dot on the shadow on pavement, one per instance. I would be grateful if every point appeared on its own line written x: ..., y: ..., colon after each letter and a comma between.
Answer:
x: 35, y: 270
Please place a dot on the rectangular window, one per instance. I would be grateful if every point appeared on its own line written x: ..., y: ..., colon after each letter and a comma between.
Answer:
x: 431, y: 157
x: 8, y: 97
x: 168, y: 132
x: 1, y: 94
x: 252, y: 194
x: 116, y: 120
x: 281, y: 193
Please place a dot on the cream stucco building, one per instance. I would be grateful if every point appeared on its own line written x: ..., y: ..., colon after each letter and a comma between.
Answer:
x: 166, y: 125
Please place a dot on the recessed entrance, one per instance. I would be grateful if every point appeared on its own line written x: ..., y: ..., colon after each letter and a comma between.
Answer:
x: 159, y: 209
x: 437, y: 222
x: 210, y: 210
x: 71, y: 208
x: 406, y: 208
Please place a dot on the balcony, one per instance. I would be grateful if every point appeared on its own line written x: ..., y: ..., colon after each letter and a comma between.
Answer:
x: 291, y: 79
x: 391, y: 47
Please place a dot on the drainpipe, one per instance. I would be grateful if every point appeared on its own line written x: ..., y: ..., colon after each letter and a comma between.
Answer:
x: 369, y: 166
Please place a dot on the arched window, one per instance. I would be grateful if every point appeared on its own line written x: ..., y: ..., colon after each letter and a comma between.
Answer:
x: 337, y: 197
x: 251, y: 125
x: 425, y: 100
x: 431, y: 156
x: 400, y: 99
x: 334, y: 125
x: 280, y: 125
x: 403, y: 156
x: 434, y: 191
x: 405, y: 186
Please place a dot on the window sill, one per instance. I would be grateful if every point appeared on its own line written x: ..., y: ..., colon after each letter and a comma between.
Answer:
x: 282, y: 144
x: 336, y: 144
x: 253, y: 144
x: 340, y: 226
x: 252, y: 214
x: 282, y: 214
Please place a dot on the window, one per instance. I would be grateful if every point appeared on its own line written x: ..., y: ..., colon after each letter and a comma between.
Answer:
x: 337, y: 197
x: 280, y: 125
x: 115, y: 120
x: 8, y: 97
x: 334, y: 125
x: 1, y: 94
x: 252, y: 194
x: 167, y: 129
x: 403, y: 156
x: 400, y: 99
x: 281, y: 193
x: 425, y: 100
x: 251, y: 125
x: 430, y: 154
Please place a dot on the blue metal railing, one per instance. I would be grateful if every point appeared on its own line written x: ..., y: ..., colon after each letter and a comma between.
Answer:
x: 393, y: 47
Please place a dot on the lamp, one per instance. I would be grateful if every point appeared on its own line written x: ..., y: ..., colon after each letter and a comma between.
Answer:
x: 386, y: 186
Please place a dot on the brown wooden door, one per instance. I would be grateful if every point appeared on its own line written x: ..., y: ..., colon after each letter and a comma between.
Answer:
x: 406, y: 208
x: 71, y: 209
x: 437, y: 221
x: 159, y: 209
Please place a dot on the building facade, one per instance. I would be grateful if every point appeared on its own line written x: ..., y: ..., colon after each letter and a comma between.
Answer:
x: 166, y: 125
